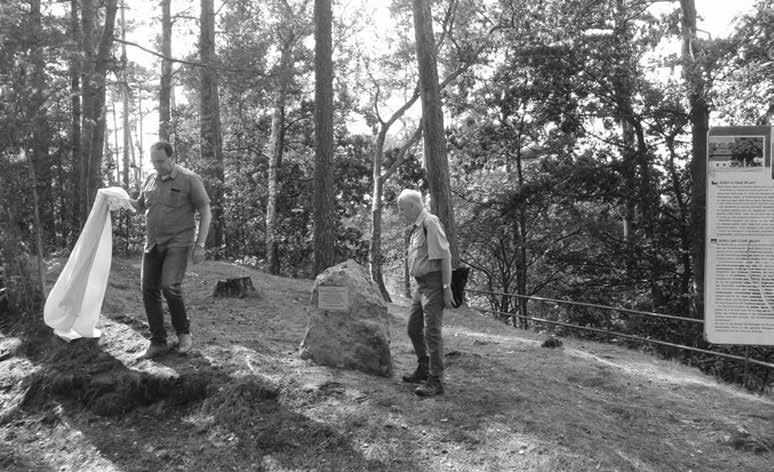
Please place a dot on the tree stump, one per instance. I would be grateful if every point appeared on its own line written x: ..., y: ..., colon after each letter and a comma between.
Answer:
x: 3, y: 301
x: 238, y: 287
x: 551, y: 342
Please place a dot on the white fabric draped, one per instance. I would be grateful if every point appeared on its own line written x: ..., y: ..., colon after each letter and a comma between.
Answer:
x: 74, y: 303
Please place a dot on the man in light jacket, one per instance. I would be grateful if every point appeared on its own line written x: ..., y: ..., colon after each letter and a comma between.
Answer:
x: 429, y: 261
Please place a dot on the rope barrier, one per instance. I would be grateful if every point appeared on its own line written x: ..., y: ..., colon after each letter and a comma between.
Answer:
x: 745, y: 359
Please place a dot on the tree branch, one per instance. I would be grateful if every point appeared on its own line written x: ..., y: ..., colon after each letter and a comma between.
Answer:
x: 401, y: 157
x: 190, y: 63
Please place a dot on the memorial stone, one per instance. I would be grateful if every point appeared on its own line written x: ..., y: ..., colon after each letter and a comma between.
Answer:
x: 348, y: 322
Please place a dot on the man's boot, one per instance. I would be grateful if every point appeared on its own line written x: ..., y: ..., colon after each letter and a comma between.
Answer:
x: 184, y: 343
x: 419, y: 375
x: 155, y: 349
x: 433, y: 386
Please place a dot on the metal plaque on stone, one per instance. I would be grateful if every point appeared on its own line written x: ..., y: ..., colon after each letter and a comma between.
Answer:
x: 333, y: 298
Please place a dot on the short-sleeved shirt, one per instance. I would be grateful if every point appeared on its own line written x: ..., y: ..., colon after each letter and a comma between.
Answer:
x: 428, y: 245
x: 169, y: 203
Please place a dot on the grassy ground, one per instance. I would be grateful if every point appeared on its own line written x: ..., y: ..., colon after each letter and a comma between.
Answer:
x: 243, y: 400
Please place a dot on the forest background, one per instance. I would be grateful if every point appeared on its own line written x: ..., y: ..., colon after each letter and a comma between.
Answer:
x: 575, y: 137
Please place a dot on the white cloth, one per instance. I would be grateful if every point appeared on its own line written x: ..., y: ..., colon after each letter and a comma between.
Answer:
x: 73, y: 305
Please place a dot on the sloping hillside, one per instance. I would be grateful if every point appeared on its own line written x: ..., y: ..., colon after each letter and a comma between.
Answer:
x: 243, y: 400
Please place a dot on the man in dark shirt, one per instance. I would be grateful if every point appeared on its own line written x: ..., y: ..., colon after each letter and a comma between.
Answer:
x: 170, y: 197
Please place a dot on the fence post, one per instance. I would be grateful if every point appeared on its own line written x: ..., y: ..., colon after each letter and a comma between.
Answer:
x: 746, y: 366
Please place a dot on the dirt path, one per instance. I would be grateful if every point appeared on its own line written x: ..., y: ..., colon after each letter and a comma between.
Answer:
x: 245, y: 401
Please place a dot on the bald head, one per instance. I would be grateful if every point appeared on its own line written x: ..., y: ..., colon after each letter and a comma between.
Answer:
x: 410, y: 205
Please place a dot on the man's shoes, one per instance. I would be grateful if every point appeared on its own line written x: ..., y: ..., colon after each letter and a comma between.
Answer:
x: 184, y: 343
x: 154, y: 350
x: 419, y: 375
x: 432, y: 387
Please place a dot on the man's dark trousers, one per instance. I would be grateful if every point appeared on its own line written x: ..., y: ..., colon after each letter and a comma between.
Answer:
x: 162, y: 272
x: 425, y: 320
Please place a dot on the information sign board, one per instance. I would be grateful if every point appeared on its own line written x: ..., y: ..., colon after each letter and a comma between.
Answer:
x: 739, y: 244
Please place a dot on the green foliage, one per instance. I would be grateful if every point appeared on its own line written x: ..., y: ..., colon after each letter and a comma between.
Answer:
x: 18, y: 283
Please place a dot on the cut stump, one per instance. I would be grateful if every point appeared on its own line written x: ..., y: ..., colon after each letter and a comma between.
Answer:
x: 239, y: 287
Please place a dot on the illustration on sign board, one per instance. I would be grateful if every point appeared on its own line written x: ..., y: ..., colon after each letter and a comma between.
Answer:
x: 735, y: 152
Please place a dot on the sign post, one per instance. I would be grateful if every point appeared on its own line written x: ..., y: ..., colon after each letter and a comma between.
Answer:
x: 739, y: 256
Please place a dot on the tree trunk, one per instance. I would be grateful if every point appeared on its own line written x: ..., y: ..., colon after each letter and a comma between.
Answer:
x: 115, y: 153
x: 521, y: 244
x: 636, y: 157
x: 140, y: 179
x: 432, y: 121
x: 323, y: 203
x: 133, y: 160
x: 406, y: 271
x: 622, y: 90
x: 41, y: 133
x: 374, y: 250
x: 88, y: 115
x: 125, y: 104
x: 699, y: 114
x: 125, y: 218
x: 38, y: 228
x: 685, y: 228
x: 103, y: 58
x: 209, y: 116
x: 174, y: 122
x: 108, y: 153
x: 39, y: 140
x: 166, y: 70
x: 93, y: 85
x: 276, y: 148
x: 63, y: 233
x: 648, y: 201
x: 78, y: 168
x: 375, y: 246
